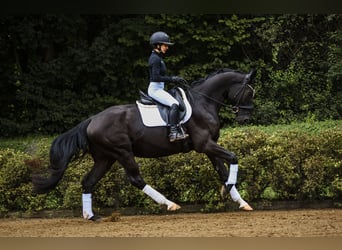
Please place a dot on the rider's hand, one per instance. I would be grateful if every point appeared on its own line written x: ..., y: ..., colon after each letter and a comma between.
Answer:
x: 178, y: 79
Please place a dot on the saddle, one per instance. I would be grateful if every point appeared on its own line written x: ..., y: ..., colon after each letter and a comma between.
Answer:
x: 148, y: 106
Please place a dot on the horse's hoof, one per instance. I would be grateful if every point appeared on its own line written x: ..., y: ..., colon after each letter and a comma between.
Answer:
x: 223, y: 192
x: 173, y: 207
x: 246, y: 208
x: 95, y: 218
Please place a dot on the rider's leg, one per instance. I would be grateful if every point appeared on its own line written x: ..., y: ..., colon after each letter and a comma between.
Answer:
x: 157, y: 92
x: 173, y: 121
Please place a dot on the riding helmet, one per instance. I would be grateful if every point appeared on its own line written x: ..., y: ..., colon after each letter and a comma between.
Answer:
x: 160, y: 37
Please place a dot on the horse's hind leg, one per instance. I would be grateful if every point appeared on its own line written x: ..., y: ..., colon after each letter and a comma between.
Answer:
x: 133, y: 173
x: 99, y: 169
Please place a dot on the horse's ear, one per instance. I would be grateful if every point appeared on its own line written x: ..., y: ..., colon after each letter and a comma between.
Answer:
x: 251, y: 76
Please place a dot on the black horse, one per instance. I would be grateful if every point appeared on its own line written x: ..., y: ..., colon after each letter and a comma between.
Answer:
x: 118, y: 134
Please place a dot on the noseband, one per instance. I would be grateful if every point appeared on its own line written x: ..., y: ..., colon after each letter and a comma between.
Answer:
x: 236, y: 108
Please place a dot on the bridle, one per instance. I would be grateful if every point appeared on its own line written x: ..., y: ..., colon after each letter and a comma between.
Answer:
x: 236, y: 108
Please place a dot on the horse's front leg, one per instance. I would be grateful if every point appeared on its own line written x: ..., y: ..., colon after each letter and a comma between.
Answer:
x: 228, y: 181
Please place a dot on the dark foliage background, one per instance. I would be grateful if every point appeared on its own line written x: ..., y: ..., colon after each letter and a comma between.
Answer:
x: 57, y: 70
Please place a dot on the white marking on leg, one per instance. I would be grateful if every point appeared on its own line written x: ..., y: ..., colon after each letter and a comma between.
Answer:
x: 87, y: 206
x: 159, y: 198
x: 233, y: 170
x: 237, y: 198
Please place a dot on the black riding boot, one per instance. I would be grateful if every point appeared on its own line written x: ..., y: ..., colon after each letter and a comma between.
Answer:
x: 175, y: 133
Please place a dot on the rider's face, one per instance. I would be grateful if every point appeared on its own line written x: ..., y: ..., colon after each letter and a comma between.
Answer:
x: 164, y: 48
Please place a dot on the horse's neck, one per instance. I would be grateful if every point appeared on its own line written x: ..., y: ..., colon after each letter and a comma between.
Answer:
x: 215, y: 86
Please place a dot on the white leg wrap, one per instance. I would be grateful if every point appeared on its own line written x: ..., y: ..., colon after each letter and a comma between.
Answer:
x: 232, y: 174
x: 236, y: 197
x: 87, y: 206
x: 156, y: 196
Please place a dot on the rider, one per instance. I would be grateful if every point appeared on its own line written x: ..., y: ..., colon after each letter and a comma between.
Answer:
x: 160, y: 42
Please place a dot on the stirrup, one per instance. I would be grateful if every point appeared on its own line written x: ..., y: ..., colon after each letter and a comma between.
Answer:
x: 181, y: 136
x: 173, y: 137
x: 178, y: 137
x: 173, y: 133
x: 182, y: 133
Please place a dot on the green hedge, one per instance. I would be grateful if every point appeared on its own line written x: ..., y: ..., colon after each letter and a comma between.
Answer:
x: 300, y: 162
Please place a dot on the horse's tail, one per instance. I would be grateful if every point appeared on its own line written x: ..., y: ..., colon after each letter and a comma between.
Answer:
x: 64, y: 148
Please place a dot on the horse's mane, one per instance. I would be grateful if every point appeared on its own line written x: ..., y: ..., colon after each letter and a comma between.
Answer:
x: 202, y: 80
x: 219, y: 71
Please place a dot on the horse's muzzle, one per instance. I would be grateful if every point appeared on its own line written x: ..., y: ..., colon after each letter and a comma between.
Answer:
x: 242, y: 120
x: 243, y: 116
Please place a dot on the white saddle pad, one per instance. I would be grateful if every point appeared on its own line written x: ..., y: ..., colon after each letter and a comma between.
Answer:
x: 151, y: 117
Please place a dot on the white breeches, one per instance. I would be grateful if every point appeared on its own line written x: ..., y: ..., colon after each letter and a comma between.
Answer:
x: 157, y: 92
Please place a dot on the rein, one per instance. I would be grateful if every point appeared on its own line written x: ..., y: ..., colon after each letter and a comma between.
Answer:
x: 236, y: 107
x: 210, y: 98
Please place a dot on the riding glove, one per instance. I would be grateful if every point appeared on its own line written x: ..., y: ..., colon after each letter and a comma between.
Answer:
x: 178, y: 79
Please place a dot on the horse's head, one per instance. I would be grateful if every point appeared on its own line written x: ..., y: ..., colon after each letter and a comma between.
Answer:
x: 242, y: 94
x: 228, y: 84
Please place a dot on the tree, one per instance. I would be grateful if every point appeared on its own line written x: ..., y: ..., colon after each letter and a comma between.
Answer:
x: 59, y: 69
